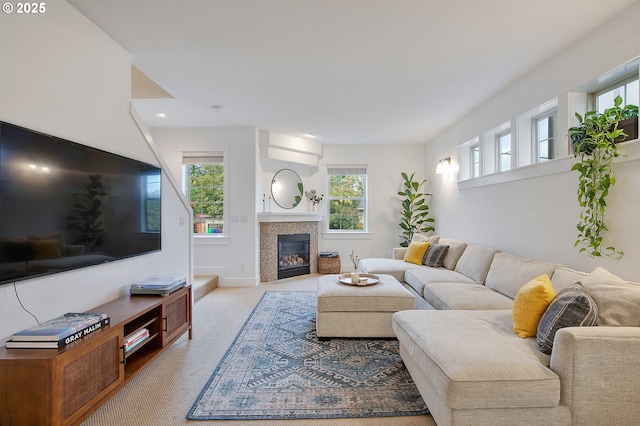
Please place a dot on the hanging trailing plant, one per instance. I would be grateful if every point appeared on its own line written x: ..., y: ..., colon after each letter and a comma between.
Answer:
x: 415, y: 212
x: 595, y: 145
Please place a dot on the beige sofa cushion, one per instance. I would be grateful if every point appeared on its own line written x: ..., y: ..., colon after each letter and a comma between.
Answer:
x: 477, y: 360
x: 508, y: 273
x: 418, y: 277
x: 394, y: 267
x: 618, y: 301
x: 456, y: 248
x: 464, y: 296
x: 421, y: 238
x: 564, y: 277
x: 475, y: 262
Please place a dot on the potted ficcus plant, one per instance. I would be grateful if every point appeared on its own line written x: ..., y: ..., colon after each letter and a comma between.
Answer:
x: 594, y: 142
x: 415, y: 212
x: 87, y: 219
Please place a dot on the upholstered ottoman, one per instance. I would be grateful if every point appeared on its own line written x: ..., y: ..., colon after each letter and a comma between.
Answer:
x: 359, y: 311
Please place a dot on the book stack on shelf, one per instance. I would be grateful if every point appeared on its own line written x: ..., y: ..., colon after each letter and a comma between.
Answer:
x: 135, y: 339
x: 157, y: 285
x: 58, y: 332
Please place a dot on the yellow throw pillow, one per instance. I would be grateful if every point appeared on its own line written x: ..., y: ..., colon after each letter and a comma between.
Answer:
x: 415, y: 252
x: 530, y: 303
x: 45, y: 249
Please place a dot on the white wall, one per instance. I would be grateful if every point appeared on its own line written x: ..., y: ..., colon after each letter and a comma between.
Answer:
x: 536, y: 216
x: 234, y: 257
x: 63, y: 76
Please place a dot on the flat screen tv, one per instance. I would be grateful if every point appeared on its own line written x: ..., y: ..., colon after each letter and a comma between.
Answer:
x: 64, y: 205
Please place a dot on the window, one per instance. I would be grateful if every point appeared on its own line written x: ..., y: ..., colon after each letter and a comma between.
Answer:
x: 504, y: 151
x: 475, y: 160
x: 627, y: 89
x: 347, y: 201
x: 151, y: 202
x: 204, y: 186
x: 545, y: 137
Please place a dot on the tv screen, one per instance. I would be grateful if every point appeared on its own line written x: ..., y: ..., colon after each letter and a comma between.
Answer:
x: 64, y: 205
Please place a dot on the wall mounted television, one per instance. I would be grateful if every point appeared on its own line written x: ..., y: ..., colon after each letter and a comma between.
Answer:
x: 64, y: 205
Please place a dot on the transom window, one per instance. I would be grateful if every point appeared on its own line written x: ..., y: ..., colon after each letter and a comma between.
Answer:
x: 504, y: 150
x: 545, y: 137
x: 347, y: 200
x: 627, y: 89
x: 475, y: 160
x: 204, y: 179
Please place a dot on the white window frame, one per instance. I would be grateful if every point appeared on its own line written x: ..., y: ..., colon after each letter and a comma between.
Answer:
x: 212, y: 157
x: 475, y: 160
x: 499, y: 138
x: 616, y: 85
x: 553, y: 139
x: 349, y: 170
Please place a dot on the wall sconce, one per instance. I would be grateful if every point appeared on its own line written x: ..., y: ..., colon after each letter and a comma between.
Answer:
x: 444, y: 166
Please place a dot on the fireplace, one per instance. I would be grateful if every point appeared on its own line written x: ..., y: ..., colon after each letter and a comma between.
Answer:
x: 293, y: 255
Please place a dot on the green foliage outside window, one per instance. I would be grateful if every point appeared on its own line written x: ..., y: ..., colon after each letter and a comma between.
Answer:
x: 347, y: 201
x: 151, y: 185
x: 206, y: 194
x: 153, y: 215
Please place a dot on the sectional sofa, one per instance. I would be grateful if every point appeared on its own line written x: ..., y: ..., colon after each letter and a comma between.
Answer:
x: 471, y: 367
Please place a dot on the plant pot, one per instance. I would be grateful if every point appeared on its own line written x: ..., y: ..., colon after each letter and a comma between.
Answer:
x: 630, y: 127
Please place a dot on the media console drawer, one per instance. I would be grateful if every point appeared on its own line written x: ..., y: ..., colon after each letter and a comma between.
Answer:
x: 64, y: 386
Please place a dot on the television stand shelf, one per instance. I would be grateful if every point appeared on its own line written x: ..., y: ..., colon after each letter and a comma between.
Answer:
x: 64, y: 386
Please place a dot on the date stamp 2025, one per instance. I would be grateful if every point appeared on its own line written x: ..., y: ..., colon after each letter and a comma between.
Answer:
x: 24, y: 8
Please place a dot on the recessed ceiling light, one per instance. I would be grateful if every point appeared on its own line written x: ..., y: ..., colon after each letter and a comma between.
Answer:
x: 161, y: 115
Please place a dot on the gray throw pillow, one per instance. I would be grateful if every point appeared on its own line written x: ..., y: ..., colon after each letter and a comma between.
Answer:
x: 571, y: 307
x: 435, y: 255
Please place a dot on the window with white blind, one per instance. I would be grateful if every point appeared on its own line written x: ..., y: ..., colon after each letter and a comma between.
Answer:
x: 347, y: 200
x: 204, y: 177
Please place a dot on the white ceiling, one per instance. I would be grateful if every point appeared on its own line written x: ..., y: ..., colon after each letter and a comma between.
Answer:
x: 347, y: 71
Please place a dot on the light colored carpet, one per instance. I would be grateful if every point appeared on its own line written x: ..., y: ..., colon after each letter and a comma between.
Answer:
x: 164, y: 392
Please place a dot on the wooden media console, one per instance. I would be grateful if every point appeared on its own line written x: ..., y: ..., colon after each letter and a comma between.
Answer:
x: 64, y: 386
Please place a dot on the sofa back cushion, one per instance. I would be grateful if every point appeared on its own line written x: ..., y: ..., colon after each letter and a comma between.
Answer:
x: 508, y: 273
x: 421, y: 238
x: 475, y: 262
x: 617, y: 299
x: 564, y: 277
x: 453, y: 253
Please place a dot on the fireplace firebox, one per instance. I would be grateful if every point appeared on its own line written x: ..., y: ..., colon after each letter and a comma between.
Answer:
x: 293, y: 255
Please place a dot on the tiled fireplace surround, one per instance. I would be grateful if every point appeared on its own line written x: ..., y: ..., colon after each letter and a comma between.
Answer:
x: 274, y: 224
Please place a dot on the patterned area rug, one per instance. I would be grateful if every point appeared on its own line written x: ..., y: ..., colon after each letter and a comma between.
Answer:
x: 277, y: 369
